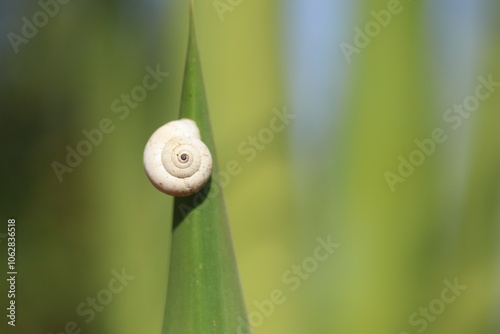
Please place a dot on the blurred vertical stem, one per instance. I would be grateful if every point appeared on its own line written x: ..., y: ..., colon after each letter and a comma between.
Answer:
x: 204, y: 294
x: 477, y: 246
x: 387, y: 107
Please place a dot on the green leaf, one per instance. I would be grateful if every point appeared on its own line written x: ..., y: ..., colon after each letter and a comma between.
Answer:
x: 204, y: 294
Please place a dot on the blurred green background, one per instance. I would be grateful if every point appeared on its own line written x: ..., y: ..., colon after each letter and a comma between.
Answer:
x: 364, y: 80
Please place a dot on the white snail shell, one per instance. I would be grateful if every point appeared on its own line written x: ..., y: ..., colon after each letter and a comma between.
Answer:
x: 176, y: 161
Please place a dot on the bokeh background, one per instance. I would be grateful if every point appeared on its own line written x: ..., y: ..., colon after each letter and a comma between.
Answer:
x: 323, y: 176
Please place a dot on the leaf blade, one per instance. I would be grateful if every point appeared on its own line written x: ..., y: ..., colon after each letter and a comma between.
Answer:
x: 204, y: 294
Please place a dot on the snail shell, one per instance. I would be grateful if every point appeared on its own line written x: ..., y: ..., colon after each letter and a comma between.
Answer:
x: 176, y: 161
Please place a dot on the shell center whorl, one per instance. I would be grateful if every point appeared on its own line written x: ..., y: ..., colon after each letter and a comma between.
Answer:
x: 181, y: 157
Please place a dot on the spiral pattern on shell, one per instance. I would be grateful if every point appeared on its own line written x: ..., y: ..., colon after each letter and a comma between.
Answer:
x: 176, y: 161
